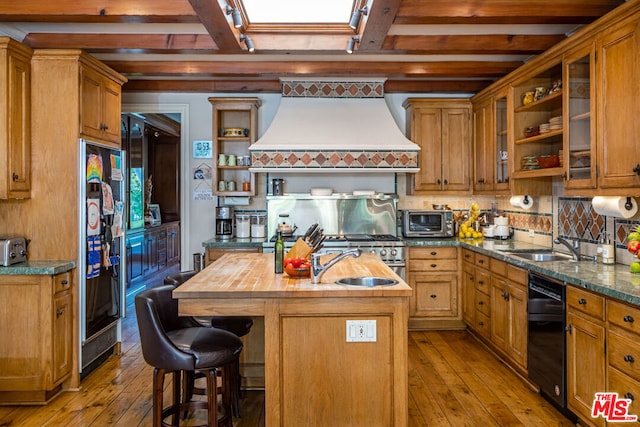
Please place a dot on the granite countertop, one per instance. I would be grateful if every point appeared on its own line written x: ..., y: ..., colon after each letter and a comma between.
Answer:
x: 615, y: 281
x: 233, y: 243
x: 38, y: 268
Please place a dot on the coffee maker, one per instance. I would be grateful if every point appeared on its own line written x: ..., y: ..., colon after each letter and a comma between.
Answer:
x: 224, y: 222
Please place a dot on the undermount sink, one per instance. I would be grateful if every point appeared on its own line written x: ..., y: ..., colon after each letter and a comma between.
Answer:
x: 542, y: 256
x: 367, y: 281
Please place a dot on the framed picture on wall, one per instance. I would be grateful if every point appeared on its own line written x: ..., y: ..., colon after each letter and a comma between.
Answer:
x: 202, y: 149
x: 154, y: 209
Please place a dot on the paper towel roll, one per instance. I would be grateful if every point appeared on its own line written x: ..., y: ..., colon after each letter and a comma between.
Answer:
x: 615, y: 206
x: 522, y: 202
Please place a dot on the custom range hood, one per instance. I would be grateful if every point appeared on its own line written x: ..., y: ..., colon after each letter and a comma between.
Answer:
x: 333, y: 126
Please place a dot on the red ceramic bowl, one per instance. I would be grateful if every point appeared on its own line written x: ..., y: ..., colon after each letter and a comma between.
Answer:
x: 551, y: 161
x: 298, y: 272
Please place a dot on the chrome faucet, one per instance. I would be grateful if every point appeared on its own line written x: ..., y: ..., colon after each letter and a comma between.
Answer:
x: 317, y: 270
x: 574, y: 247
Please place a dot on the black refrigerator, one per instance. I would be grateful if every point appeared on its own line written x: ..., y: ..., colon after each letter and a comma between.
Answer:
x: 102, y: 245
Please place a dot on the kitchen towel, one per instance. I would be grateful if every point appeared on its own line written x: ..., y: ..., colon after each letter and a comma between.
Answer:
x: 522, y: 202
x: 621, y: 207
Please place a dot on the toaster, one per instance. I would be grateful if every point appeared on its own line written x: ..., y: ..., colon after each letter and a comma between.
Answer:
x: 14, y: 250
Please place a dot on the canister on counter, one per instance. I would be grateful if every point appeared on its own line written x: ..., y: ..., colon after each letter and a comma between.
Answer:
x: 258, y: 222
x: 243, y: 227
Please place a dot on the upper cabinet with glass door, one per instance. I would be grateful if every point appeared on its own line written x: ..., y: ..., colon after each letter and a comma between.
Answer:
x: 579, y: 152
x: 500, y: 154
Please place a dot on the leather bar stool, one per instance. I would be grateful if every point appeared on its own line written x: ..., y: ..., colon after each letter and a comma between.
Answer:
x: 238, y: 325
x: 171, y: 344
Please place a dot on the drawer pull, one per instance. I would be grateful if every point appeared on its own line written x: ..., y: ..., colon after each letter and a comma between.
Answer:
x: 628, y: 319
x: 481, y: 261
x: 480, y: 282
x: 629, y: 358
x: 65, y: 282
x: 467, y: 256
x: 582, y: 301
x: 629, y: 396
x: 434, y: 253
x: 432, y: 295
x: 480, y: 302
x: 434, y: 265
x: 481, y: 323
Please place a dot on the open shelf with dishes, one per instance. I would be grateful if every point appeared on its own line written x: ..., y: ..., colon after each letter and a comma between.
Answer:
x: 234, y: 130
x: 538, y: 125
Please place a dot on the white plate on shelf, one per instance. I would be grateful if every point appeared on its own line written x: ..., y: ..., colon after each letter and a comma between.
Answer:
x: 363, y: 192
x: 321, y: 191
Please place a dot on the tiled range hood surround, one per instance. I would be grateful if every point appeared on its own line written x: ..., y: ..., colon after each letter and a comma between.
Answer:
x: 333, y: 125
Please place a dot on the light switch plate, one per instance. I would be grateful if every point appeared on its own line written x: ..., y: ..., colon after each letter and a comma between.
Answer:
x: 361, y: 331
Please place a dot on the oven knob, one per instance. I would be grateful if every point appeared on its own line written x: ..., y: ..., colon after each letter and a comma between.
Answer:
x: 372, y: 251
x: 383, y: 252
x: 12, y: 255
x: 394, y: 252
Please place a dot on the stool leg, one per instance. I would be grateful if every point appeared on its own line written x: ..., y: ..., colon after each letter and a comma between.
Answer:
x: 158, y: 385
x: 212, y: 398
x: 236, y: 384
x: 175, y: 417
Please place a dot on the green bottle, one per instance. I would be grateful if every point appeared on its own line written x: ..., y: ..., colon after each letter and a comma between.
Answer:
x: 279, y: 254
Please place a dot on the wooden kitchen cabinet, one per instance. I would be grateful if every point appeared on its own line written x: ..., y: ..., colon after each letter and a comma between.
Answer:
x: 618, y: 127
x: 477, y: 286
x: 152, y: 253
x: 240, y: 113
x: 442, y: 129
x: 509, y: 322
x: 432, y: 273
x: 483, y: 146
x: 100, y: 105
x: 36, y: 343
x: 586, y: 361
x: 15, y: 113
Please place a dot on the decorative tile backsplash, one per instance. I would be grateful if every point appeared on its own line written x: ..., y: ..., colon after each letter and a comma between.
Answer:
x: 541, y: 223
x: 321, y: 89
x: 578, y: 220
x: 334, y: 159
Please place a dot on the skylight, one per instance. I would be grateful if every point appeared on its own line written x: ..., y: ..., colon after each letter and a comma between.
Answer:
x: 298, y: 12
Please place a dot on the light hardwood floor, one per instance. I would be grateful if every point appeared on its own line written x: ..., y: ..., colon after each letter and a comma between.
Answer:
x: 453, y: 381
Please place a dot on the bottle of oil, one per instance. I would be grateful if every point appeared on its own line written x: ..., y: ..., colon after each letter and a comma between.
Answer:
x: 279, y: 254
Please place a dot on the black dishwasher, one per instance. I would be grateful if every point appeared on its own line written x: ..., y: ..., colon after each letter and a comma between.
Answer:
x: 546, y: 352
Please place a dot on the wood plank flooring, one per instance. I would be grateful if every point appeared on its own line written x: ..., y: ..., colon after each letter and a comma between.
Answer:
x: 453, y: 381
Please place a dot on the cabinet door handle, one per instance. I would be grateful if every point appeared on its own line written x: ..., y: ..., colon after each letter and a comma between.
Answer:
x: 59, y: 312
x: 15, y: 176
x: 438, y: 181
x: 628, y: 319
x: 582, y: 301
x: 446, y: 182
x: 434, y: 265
x: 433, y: 296
x: 629, y: 358
x: 629, y: 396
x: 568, y: 328
x: 471, y: 278
x: 480, y: 323
x: 637, y: 169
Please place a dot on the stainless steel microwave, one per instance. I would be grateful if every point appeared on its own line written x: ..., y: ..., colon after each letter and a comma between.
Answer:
x: 421, y: 223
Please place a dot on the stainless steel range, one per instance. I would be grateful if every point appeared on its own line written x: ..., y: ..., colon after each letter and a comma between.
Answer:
x: 367, y: 222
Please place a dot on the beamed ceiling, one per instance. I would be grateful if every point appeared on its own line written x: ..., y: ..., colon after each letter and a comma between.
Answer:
x: 420, y: 46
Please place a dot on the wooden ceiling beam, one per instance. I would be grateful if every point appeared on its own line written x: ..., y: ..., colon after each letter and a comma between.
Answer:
x: 275, y: 86
x: 267, y: 69
x: 157, y: 11
x: 376, y: 24
x: 219, y: 25
x: 472, y: 44
x: 141, y: 43
x: 502, y: 12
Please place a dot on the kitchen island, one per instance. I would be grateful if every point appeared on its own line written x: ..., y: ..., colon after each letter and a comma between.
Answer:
x: 313, y: 376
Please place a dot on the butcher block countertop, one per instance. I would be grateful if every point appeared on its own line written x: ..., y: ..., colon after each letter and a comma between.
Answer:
x: 247, y: 275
